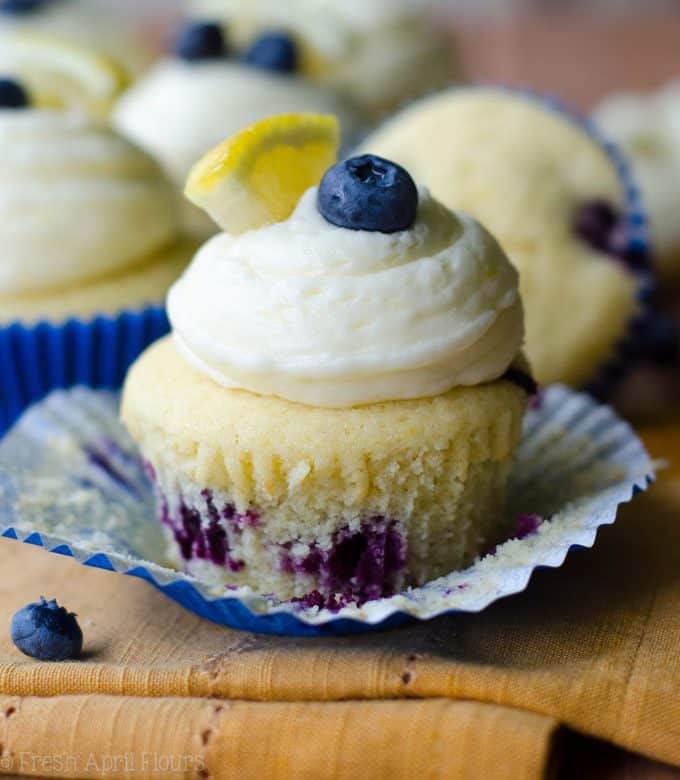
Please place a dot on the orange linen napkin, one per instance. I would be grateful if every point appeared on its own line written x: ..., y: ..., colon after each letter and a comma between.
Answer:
x: 594, y: 646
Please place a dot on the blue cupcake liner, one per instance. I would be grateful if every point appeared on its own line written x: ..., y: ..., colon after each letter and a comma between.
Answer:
x: 36, y: 359
x: 73, y: 482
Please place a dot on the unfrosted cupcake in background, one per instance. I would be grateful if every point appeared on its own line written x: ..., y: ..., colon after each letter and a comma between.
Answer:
x: 335, y: 416
x: 208, y: 90
x: 89, y: 228
x: 647, y: 128
x: 382, y: 53
x: 560, y: 204
x: 80, y: 22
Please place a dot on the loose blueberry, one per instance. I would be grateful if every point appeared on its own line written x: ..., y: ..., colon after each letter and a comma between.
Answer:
x: 12, y: 94
x: 201, y: 41
x: 20, y: 6
x: 368, y: 193
x: 274, y: 51
x: 46, y: 631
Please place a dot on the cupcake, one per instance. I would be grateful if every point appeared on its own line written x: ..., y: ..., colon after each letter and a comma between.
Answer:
x: 189, y: 102
x: 380, y: 52
x: 647, y: 128
x: 561, y: 205
x: 79, y: 22
x: 334, y: 416
x: 89, y: 228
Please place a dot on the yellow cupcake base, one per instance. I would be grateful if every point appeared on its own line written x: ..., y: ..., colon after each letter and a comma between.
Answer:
x: 285, y: 486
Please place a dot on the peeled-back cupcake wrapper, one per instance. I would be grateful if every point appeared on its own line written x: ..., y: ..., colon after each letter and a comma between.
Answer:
x: 72, y: 481
x: 36, y: 359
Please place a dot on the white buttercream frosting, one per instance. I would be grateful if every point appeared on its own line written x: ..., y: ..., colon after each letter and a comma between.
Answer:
x: 380, y: 52
x: 85, y: 23
x: 333, y: 317
x: 76, y: 202
x: 647, y: 127
x: 180, y: 110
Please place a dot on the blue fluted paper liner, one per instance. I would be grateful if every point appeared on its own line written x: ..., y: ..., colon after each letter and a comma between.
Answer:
x: 36, y: 359
x: 72, y: 481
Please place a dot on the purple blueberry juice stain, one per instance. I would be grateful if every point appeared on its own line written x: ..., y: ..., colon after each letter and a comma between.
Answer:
x: 594, y: 221
x: 526, y: 525
x: 199, y: 532
x: 536, y: 402
x: 104, y: 464
x: 598, y: 223
x: 456, y: 589
x: 360, y: 565
x: 150, y: 472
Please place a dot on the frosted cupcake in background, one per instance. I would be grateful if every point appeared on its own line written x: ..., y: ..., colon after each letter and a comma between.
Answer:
x: 208, y: 90
x: 561, y: 206
x: 62, y: 75
x: 79, y: 22
x: 89, y: 227
x: 382, y: 53
x: 336, y: 414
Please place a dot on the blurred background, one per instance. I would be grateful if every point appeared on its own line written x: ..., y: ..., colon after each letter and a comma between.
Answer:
x: 582, y: 48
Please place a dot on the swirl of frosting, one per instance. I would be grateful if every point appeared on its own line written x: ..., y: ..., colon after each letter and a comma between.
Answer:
x: 331, y: 317
x: 76, y: 202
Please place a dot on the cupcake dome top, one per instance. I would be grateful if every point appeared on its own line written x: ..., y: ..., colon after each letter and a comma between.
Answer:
x: 647, y: 127
x: 552, y: 197
x: 78, y: 202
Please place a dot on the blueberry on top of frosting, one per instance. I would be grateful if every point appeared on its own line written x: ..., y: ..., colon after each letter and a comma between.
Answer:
x: 12, y: 94
x: 274, y: 51
x: 201, y: 41
x: 368, y: 193
x: 21, y: 6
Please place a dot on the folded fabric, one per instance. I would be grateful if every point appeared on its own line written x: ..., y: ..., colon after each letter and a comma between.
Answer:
x: 594, y: 646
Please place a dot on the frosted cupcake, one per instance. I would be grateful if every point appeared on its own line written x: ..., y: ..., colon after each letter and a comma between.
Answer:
x: 647, y: 127
x: 336, y: 412
x: 380, y: 52
x: 89, y: 227
x: 558, y: 201
x: 189, y: 102
x: 80, y: 22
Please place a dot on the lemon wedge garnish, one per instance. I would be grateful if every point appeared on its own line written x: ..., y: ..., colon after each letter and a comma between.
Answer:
x: 257, y: 176
x: 59, y: 74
